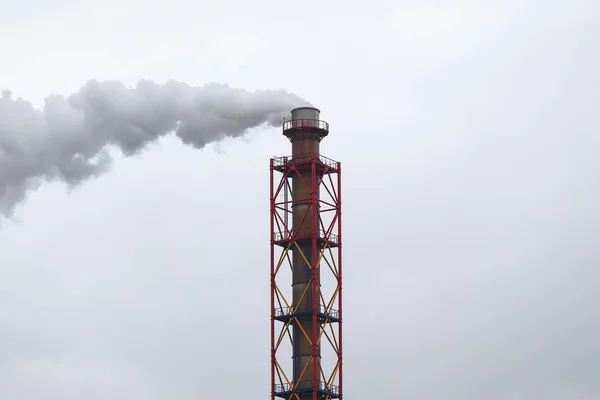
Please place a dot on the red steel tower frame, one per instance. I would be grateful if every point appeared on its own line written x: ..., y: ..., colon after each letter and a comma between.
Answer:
x: 306, y: 320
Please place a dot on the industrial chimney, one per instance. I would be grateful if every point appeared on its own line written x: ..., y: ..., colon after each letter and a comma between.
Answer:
x: 307, y: 187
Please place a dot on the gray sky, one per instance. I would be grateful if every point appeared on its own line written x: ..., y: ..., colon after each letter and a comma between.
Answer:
x: 470, y: 150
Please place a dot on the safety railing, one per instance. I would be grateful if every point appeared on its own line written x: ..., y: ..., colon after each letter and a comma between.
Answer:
x: 304, y: 234
x: 302, y: 158
x: 305, y: 309
x: 328, y: 161
x: 322, y: 386
x: 305, y: 123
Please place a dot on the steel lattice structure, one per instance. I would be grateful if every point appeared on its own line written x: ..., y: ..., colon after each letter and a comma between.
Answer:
x: 306, y: 250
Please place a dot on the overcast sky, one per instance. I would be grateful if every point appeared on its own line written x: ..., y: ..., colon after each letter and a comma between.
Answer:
x: 469, y: 136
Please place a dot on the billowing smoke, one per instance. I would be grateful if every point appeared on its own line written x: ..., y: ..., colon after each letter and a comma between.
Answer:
x: 69, y: 140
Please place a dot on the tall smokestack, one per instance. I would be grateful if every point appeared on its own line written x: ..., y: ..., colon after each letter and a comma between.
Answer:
x: 305, y: 141
x: 69, y: 140
x: 314, y: 239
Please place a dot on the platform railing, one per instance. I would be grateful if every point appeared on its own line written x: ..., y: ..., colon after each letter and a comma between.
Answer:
x: 303, y: 234
x: 287, y: 388
x: 305, y: 123
x: 306, y: 308
x: 302, y: 158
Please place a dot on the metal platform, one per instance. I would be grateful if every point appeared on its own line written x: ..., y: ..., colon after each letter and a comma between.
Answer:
x: 285, y: 390
x: 284, y: 314
x: 283, y: 163
x: 283, y: 239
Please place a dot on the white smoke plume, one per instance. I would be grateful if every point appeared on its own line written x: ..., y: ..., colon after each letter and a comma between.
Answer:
x: 69, y: 140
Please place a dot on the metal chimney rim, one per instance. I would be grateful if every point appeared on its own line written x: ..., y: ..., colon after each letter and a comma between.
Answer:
x: 307, y: 108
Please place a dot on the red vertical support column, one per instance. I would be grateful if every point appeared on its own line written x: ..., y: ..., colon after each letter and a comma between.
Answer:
x: 339, y: 278
x: 315, y: 282
x: 272, y: 229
